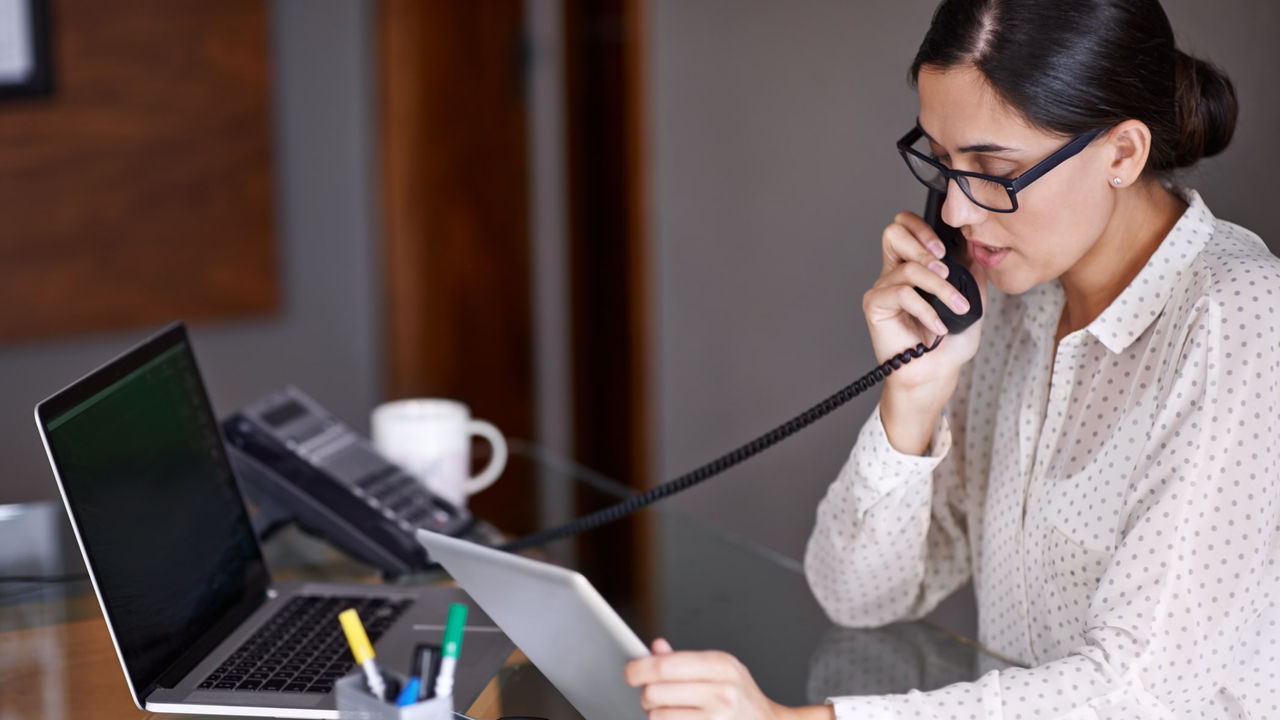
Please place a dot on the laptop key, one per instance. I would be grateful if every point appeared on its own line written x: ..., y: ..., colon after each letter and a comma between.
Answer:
x: 303, y: 641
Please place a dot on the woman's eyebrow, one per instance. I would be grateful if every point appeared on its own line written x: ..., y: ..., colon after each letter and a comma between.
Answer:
x: 979, y: 148
x: 987, y: 148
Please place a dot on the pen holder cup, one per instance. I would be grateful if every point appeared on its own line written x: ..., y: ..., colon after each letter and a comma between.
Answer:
x: 355, y: 702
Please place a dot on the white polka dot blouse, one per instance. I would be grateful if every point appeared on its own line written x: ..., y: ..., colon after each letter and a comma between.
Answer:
x: 1114, y: 500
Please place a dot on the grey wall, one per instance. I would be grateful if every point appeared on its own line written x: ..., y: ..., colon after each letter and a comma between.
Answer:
x: 326, y: 338
x: 773, y: 174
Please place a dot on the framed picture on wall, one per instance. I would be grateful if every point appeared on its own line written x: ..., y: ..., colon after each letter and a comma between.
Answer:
x: 25, y: 49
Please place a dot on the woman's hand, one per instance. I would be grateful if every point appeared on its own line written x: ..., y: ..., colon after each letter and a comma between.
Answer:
x: 705, y: 686
x: 898, y: 318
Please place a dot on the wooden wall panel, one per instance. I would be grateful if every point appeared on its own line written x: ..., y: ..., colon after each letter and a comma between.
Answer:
x: 141, y: 191
x: 457, y: 234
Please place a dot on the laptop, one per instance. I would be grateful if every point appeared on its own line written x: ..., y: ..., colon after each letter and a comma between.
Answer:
x: 556, y: 618
x: 197, y: 623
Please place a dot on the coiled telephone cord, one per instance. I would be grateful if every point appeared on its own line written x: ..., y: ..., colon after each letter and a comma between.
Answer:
x: 724, y: 462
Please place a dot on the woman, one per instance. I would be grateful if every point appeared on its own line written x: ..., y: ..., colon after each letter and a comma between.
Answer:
x: 1099, y: 453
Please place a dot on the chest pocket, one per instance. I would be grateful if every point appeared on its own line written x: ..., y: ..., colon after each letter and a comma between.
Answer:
x: 1073, y: 572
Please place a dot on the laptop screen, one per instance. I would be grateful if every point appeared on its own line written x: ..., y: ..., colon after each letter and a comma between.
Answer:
x: 150, y: 490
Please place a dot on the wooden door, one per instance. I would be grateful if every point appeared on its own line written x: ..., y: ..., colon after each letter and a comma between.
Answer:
x: 458, y: 318
x: 458, y: 256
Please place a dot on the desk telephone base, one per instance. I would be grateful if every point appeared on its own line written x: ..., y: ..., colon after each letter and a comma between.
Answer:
x: 298, y: 462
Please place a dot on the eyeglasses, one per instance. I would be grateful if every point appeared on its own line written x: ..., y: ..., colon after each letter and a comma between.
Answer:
x: 989, y: 192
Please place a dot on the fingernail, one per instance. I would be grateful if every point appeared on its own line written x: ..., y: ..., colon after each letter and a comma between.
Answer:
x: 939, y: 268
x: 937, y: 249
x: 959, y: 303
x: 939, y: 327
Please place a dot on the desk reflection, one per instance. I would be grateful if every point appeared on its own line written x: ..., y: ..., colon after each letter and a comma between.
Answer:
x: 703, y: 589
x: 892, y: 659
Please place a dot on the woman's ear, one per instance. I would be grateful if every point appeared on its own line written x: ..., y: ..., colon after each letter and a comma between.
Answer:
x: 1127, y: 147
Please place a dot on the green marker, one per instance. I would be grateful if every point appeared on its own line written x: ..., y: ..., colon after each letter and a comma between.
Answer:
x: 452, y: 646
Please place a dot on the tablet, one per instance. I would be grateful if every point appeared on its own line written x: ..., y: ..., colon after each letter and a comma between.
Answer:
x: 556, y: 617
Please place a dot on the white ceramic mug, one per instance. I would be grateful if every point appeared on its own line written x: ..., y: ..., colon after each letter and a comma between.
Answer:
x: 431, y: 439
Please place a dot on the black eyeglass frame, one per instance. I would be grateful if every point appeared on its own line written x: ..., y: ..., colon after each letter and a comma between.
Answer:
x: 1011, y: 186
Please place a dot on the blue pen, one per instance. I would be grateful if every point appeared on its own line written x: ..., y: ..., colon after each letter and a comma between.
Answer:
x: 409, y: 695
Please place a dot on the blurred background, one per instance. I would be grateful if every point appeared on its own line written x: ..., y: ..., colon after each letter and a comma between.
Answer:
x: 636, y: 232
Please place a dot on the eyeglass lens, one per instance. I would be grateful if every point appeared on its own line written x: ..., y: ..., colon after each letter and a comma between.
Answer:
x: 991, y: 195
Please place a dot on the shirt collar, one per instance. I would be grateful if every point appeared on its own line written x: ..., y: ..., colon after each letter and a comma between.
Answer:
x: 1133, y: 311
x: 1137, y: 307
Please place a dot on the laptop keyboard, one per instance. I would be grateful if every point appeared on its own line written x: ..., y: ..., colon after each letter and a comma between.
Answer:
x: 302, y: 648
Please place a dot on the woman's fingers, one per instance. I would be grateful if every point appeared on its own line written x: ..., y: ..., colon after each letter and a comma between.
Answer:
x: 674, y: 713
x: 896, y: 293
x: 709, y: 665
x: 910, y: 239
x: 920, y: 228
x: 887, y: 303
x: 705, y: 695
x: 912, y: 259
x: 710, y: 685
x: 931, y: 280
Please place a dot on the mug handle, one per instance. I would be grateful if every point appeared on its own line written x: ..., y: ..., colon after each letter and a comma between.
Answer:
x: 497, y: 462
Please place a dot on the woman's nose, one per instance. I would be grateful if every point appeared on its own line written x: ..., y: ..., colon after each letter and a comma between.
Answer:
x: 958, y: 210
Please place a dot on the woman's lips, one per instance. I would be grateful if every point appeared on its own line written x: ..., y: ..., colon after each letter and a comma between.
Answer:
x: 986, y: 255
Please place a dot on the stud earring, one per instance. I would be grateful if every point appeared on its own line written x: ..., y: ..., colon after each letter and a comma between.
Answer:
x: 1116, y: 181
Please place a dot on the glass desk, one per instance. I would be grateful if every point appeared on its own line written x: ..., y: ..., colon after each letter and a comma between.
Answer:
x: 699, y: 588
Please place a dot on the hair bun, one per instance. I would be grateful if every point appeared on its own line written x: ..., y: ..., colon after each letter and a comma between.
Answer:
x: 1207, y: 109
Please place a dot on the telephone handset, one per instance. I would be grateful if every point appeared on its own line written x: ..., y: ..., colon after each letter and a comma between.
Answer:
x: 290, y: 452
x: 959, y: 277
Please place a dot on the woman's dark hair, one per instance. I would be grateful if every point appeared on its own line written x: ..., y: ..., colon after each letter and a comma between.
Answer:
x: 1070, y: 66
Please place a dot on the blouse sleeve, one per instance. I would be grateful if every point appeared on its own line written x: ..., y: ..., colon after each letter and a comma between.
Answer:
x: 1186, y: 605
x: 889, y: 541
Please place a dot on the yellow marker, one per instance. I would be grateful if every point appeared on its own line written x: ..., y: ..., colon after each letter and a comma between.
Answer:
x: 362, y: 650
